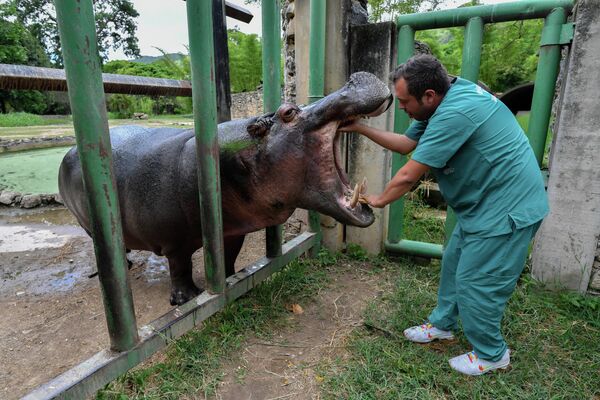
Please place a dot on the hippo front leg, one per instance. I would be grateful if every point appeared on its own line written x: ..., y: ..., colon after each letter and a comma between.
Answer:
x: 232, y: 246
x: 182, y: 285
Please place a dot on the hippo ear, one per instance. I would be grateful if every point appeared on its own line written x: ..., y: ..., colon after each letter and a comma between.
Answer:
x: 261, y: 126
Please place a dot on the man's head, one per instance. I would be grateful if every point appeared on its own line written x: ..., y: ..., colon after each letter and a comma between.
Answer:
x: 420, y: 83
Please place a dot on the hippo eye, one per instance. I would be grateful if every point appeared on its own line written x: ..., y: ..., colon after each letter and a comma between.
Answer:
x: 288, y: 114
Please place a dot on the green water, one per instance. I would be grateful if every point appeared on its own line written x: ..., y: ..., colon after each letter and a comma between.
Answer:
x: 32, y: 171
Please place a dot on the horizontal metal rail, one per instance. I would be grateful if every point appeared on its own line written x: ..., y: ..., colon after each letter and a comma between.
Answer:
x: 89, y: 376
x: 414, y: 248
x: 518, y: 10
x: 21, y: 77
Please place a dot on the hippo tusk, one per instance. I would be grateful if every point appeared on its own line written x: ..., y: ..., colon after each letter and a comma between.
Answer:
x: 363, y: 186
x: 355, y: 196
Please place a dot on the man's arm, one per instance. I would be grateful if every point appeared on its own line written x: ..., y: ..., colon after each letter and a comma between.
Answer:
x: 400, y: 184
x: 390, y: 140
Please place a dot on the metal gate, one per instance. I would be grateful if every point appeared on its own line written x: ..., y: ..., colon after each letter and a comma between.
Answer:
x: 130, y: 345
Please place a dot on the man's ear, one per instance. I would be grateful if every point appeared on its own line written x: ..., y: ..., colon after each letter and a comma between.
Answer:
x: 429, y: 96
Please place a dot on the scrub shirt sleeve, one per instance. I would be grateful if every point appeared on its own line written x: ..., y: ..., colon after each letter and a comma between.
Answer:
x: 415, y: 130
x: 444, y: 135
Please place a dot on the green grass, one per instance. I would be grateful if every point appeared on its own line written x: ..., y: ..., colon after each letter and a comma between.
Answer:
x: 17, y: 119
x: 192, y: 365
x: 555, y: 339
x: 422, y: 222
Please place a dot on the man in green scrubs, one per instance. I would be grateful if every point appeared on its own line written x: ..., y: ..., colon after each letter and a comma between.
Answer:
x: 488, y: 174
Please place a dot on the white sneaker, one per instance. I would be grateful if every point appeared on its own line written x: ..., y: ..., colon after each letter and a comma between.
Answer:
x: 470, y: 364
x: 426, y: 333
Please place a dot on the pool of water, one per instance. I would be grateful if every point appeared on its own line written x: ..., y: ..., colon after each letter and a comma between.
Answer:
x: 32, y: 171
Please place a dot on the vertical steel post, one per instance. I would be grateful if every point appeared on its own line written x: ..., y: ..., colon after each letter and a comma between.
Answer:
x: 222, y: 61
x: 471, y: 61
x: 199, y: 16
x: 86, y: 94
x: 406, y: 48
x: 545, y: 82
x: 316, y: 84
x: 271, y: 71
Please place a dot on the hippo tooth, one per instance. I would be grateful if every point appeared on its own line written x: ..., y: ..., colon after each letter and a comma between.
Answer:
x: 363, y: 186
x: 354, y: 200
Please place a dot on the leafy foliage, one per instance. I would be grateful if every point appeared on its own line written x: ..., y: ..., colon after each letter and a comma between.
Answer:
x: 18, y: 46
x: 115, y: 25
x: 388, y: 10
x: 509, y: 53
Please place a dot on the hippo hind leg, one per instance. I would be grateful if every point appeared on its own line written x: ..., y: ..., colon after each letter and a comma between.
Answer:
x: 182, y: 285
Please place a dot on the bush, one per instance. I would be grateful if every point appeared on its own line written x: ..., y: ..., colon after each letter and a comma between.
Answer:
x: 20, y: 119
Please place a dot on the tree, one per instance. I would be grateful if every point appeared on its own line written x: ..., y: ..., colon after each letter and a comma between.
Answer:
x: 508, y: 57
x: 245, y: 61
x: 18, y: 46
x: 388, y: 10
x: 115, y: 25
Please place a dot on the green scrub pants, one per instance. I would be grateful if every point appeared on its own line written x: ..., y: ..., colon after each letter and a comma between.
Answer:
x: 478, y: 276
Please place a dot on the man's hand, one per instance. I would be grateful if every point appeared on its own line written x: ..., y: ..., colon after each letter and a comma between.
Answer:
x: 374, y: 200
x: 352, y: 126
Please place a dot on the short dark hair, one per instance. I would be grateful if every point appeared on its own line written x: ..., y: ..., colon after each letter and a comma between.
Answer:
x: 422, y: 72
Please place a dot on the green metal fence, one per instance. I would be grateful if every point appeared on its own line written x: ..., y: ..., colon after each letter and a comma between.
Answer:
x: 556, y: 32
x: 130, y: 346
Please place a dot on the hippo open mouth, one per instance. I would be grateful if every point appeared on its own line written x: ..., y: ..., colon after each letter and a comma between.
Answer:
x: 363, y: 96
x: 352, y: 200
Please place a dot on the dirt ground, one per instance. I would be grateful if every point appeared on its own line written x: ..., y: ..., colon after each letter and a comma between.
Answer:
x: 285, y: 366
x: 51, y: 312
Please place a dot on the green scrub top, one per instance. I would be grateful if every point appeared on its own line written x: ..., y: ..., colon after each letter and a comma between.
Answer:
x: 483, y: 162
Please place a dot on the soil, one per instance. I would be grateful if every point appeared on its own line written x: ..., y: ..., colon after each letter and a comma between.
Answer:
x: 285, y: 366
x: 51, y: 312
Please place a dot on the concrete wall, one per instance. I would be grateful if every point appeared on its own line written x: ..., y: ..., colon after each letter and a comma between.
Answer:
x: 567, y: 242
x: 368, y: 159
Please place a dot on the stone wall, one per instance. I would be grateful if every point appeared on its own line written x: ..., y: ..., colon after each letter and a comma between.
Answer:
x: 246, y: 104
x: 289, y: 50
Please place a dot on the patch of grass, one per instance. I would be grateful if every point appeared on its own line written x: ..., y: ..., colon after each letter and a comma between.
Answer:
x: 25, y: 119
x: 192, y: 366
x: 554, y: 338
x: 422, y: 222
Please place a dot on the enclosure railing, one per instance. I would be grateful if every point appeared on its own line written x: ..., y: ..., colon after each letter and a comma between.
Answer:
x: 130, y: 346
x: 556, y: 32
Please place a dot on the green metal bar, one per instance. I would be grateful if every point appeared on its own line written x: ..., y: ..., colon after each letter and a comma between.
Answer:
x: 316, y: 84
x: 518, y: 10
x: 421, y: 249
x: 84, y: 80
x: 85, y: 379
x: 316, y: 69
x: 199, y: 16
x: 271, y: 70
x: 406, y: 48
x: 471, y: 60
x: 545, y: 82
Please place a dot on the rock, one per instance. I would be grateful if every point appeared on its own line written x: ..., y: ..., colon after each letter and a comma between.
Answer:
x: 290, y: 11
x: 595, y: 280
x: 58, y: 199
x: 8, y: 197
x: 31, y: 200
x: 47, y: 198
x: 140, y: 116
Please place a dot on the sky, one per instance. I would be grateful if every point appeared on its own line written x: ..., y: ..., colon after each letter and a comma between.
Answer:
x: 165, y: 27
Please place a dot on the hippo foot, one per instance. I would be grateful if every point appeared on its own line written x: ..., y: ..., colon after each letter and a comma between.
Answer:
x: 183, y: 294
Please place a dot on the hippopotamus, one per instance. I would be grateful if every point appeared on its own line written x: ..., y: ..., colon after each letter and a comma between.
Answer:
x: 269, y: 166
